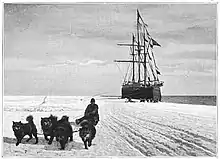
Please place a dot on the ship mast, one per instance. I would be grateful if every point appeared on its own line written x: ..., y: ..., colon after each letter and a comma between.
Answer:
x: 145, y: 65
x: 138, y: 49
x: 133, y: 77
x: 143, y: 45
x: 144, y: 83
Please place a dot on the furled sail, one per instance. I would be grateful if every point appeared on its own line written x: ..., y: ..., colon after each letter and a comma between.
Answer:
x: 144, y: 68
x: 141, y: 80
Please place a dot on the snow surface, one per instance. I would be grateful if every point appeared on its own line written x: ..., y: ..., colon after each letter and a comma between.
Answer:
x: 125, y: 129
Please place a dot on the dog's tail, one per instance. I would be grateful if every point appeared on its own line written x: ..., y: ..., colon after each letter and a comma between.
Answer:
x: 29, y: 119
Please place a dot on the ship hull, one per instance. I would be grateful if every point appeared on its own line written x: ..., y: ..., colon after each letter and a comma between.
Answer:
x: 151, y: 93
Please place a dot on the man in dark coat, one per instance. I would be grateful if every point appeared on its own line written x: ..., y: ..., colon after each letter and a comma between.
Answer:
x: 91, y: 113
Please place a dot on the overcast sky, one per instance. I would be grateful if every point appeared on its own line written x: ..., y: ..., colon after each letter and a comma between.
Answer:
x: 43, y: 57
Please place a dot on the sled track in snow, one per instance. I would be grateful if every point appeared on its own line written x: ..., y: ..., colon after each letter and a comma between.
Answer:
x: 143, y: 141
x: 175, y: 128
x: 131, y: 140
x: 189, y: 143
x: 183, y: 139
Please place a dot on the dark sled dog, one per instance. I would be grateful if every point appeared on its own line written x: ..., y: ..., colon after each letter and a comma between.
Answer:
x: 22, y: 129
x: 87, y: 131
x: 63, y: 131
x: 48, y: 124
x: 60, y: 129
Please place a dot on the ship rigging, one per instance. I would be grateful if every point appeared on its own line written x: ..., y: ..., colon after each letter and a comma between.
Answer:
x: 144, y: 83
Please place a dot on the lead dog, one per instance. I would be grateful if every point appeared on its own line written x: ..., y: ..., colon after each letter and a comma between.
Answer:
x: 22, y: 129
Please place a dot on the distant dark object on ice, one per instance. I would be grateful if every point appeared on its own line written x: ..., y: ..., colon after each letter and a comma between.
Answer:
x: 197, y: 100
x: 141, y: 83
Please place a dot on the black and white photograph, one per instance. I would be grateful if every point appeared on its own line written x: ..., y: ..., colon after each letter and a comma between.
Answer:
x: 109, y: 79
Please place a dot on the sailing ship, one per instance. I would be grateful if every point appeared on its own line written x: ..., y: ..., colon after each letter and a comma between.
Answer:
x: 143, y: 82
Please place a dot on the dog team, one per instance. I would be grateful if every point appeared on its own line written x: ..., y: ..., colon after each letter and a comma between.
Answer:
x: 60, y: 129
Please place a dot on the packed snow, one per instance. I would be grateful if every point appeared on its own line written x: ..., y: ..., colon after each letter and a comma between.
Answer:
x: 125, y: 129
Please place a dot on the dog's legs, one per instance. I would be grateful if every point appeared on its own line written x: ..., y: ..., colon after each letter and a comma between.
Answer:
x: 30, y: 137
x: 35, y: 135
x: 62, y: 146
x: 18, y: 141
x: 46, y: 138
x: 89, y: 142
x: 71, y: 138
x: 63, y: 142
x: 85, y: 143
x: 51, y: 139
x: 93, y: 133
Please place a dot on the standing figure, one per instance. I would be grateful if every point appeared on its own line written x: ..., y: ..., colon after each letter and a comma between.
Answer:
x: 91, y: 113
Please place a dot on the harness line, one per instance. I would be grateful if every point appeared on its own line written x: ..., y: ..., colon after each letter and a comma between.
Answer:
x: 72, y: 132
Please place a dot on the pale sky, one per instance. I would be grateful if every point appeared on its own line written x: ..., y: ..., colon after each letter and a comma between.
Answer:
x: 42, y: 58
